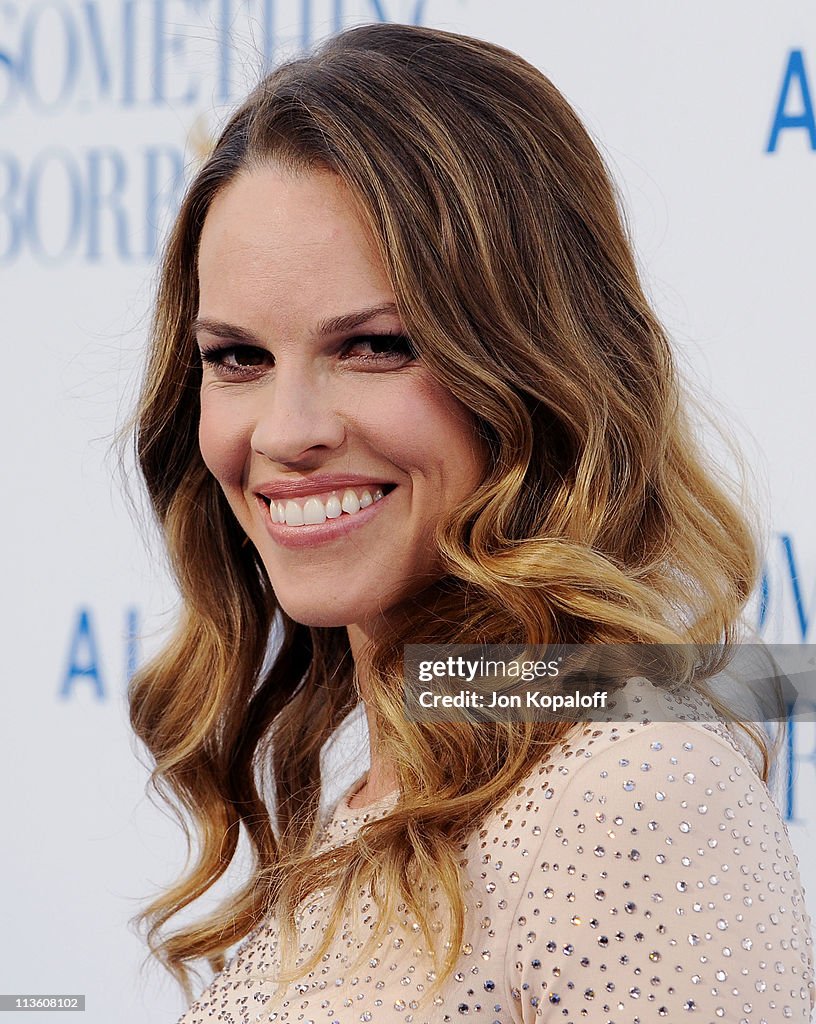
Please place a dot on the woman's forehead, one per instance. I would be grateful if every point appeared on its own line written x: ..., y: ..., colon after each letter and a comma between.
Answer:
x: 311, y: 207
x: 273, y: 242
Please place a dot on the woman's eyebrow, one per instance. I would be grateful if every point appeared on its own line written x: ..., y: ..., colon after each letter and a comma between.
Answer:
x: 334, y: 325
x: 348, y: 321
x: 224, y: 330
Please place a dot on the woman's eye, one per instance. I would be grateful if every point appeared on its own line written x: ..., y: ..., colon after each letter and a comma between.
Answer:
x: 234, y: 358
x: 380, y: 347
x: 244, y: 360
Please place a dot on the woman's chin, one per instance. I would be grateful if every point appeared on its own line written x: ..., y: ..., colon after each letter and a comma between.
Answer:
x: 321, y: 614
x: 320, y: 606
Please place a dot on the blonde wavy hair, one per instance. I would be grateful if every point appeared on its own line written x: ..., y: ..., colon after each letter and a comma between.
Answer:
x: 599, y: 518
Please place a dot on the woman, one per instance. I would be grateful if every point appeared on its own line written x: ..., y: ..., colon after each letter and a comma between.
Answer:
x: 405, y: 387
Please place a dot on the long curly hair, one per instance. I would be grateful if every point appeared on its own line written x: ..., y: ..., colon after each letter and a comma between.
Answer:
x: 599, y: 518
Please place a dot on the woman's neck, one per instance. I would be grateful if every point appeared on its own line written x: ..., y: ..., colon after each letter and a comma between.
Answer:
x: 381, y: 779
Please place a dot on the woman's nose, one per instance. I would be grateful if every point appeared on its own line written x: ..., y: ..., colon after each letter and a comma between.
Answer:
x: 294, y: 415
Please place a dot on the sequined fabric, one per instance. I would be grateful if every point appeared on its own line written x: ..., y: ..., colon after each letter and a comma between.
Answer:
x: 641, y: 874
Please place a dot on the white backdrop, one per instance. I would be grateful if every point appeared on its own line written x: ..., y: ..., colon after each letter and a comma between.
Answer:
x: 705, y: 113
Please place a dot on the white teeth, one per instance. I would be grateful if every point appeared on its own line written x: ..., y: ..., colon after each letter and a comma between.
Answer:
x: 351, y: 503
x: 294, y: 514
x: 314, y: 512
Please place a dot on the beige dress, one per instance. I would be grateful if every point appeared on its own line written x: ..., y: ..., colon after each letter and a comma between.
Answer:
x: 641, y: 874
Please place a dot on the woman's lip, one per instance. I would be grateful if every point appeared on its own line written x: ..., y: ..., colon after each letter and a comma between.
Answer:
x: 319, y: 533
x: 302, y: 491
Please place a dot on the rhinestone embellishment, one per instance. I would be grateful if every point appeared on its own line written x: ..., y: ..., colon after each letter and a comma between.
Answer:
x: 584, y: 903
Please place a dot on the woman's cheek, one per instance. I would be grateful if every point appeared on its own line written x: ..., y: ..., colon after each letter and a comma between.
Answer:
x: 223, y: 441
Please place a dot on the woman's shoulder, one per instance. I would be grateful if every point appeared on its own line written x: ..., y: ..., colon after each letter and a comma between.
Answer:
x: 647, y: 734
x: 649, y: 864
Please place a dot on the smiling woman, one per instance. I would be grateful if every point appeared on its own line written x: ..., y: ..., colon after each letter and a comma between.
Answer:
x: 306, y: 420
x: 404, y: 388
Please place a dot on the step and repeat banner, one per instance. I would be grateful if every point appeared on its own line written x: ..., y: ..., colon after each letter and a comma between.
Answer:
x: 706, y: 114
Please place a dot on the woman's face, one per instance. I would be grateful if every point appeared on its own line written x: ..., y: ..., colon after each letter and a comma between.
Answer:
x: 312, y: 405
